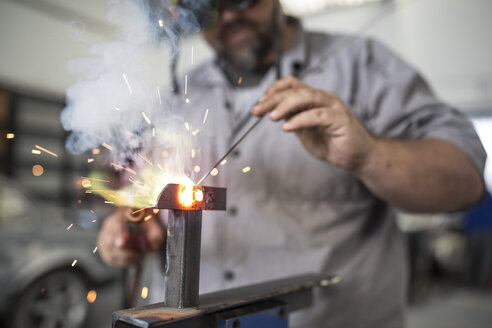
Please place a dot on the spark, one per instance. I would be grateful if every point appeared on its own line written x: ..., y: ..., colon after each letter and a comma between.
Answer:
x: 139, y: 210
x: 79, y: 201
x: 86, y: 183
x: 132, y: 180
x: 145, y: 292
x: 35, y: 151
x: 192, y: 53
x: 108, y: 202
x: 117, y: 108
x: 186, y: 84
x: 88, y: 192
x: 187, y: 100
x: 214, y: 172
x: 91, y: 296
x: 197, y: 168
x: 92, y: 211
x: 160, y: 167
x: 108, y: 147
x: 205, y: 117
x: 161, y: 23
x: 240, y: 80
x: 95, y: 250
x: 37, y: 170
x: 74, y: 262
x: 223, y: 162
x: 46, y: 151
x: 153, y: 132
x: 195, y: 132
x: 155, y: 210
x: 159, y: 94
x: 93, y: 221
x: 148, y: 217
x: 124, y: 168
x: 145, y: 159
x: 71, y: 225
x: 246, y: 169
x: 187, y: 126
x: 96, y: 151
x: 127, y: 83
x: 146, y: 118
x: 193, y: 153
x: 10, y: 136
x: 90, y: 160
x: 94, y: 179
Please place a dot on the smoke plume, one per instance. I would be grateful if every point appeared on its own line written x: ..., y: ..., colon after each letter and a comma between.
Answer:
x: 120, y: 97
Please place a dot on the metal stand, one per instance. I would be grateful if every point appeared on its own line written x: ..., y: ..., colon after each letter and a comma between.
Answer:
x: 182, y: 274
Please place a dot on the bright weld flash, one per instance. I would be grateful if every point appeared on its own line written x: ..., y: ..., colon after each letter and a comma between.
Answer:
x: 198, y: 195
x: 188, y: 194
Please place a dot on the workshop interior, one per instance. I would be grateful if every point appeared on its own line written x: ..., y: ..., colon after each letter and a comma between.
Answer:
x: 89, y: 124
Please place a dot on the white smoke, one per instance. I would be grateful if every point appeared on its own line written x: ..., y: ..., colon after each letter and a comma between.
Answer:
x: 120, y: 97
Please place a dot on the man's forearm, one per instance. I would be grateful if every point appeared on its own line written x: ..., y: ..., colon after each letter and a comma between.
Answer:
x: 426, y: 175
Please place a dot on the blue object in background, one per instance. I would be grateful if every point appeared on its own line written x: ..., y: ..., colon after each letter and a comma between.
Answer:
x: 480, y: 218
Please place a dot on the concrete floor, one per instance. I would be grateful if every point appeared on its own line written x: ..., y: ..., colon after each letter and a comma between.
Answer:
x: 455, y: 308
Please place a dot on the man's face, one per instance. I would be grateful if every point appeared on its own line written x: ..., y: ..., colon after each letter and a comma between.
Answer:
x: 243, y: 37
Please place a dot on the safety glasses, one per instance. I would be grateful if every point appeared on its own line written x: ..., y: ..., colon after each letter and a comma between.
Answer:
x: 207, y: 12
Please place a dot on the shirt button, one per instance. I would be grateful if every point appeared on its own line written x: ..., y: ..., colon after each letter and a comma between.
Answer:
x: 236, y: 153
x: 232, y: 211
x: 229, y: 275
x: 228, y: 105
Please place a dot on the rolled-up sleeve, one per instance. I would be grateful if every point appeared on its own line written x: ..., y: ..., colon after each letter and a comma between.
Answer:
x: 398, y: 103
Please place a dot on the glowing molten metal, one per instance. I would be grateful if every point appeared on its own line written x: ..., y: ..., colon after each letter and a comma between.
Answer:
x: 189, y: 195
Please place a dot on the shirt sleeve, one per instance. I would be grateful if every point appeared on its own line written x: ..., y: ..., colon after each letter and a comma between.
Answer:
x: 398, y: 103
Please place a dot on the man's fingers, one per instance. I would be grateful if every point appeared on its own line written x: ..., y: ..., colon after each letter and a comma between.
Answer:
x: 121, y: 257
x: 270, y: 102
x: 300, y: 100
x: 285, y: 83
x: 154, y: 233
x: 315, y: 117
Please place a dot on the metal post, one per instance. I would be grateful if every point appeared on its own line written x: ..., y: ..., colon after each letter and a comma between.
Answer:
x: 183, y: 258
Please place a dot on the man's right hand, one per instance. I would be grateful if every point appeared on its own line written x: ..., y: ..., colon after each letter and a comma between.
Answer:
x: 110, y: 241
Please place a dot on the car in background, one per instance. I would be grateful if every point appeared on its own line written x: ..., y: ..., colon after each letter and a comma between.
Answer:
x: 41, y: 283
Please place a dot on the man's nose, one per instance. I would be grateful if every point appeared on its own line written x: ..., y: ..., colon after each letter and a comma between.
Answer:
x: 227, y: 15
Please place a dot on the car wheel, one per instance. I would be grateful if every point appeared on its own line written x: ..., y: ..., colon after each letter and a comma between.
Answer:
x: 56, y: 300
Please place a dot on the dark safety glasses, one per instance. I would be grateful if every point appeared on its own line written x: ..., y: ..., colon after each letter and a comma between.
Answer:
x: 207, y: 12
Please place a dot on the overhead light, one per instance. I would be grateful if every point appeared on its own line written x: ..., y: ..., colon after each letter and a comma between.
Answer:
x: 306, y: 7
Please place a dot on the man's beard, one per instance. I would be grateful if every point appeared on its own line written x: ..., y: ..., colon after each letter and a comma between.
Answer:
x: 249, y: 55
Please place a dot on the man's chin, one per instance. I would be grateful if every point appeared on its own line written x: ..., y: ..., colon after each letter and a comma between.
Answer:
x: 242, y: 60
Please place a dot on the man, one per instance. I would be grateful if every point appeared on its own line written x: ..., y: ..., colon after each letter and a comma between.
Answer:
x: 357, y: 136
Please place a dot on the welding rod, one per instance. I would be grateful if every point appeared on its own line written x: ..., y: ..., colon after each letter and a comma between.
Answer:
x: 345, y: 42
x: 232, y: 148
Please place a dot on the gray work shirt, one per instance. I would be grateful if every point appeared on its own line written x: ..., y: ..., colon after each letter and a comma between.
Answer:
x: 292, y: 213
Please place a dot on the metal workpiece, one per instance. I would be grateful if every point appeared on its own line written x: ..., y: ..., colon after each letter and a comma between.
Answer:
x: 184, y: 229
x: 182, y: 273
x: 212, y: 198
x: 293, y: 293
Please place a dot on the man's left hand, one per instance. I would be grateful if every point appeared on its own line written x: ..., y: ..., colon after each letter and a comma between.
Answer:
x: 323, y: 123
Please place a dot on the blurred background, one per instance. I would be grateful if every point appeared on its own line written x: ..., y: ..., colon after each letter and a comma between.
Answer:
x: 50, y: 267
